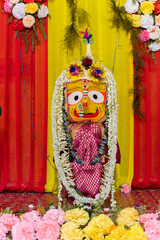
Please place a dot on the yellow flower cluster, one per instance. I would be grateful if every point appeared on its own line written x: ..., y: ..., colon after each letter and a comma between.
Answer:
x: 127, y: 217
x: 78, y: 216
x: 98, y: 227
x: 102, y: 227
x: 147, y: 7
x: 135, y: 19
x: 92, y: 72
x: 31, y: 8
x: 77, y: 74
x: 70, y: 231
x: 120, y: 233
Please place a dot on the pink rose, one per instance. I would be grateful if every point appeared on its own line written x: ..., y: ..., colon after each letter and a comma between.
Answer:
x: 144, y: 36
x: 126, y: 188
x: 28, y: 21
x: 7, y: 6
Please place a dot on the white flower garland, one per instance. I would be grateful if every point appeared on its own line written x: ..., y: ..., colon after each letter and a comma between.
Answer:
x: 60, y: 145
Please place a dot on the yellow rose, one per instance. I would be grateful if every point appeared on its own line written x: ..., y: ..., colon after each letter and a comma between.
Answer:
x: 136, y: 233
x: 135, y: 19
x: 118, y: 233
x: 98, y: 227
x: 69, y: 231
x: 128, y: 217
x: 31, y: 8
x: 77, y: 215
x: 147, y: 7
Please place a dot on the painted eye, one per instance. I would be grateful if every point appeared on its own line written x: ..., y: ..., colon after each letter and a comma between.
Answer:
x: 95, y: 96
x: 75, y: 97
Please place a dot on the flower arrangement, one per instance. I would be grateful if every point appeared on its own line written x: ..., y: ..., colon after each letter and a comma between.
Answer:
x: 96, y: 72
x: 78, y: 224
x: 145, y: 15
x: 75, y: 71
x: 25, y: 16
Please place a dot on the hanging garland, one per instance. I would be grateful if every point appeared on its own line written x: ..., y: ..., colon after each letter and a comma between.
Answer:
x: 137, y: 19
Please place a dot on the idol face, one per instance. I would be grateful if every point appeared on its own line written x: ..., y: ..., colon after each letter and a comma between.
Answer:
x: 86, y: 100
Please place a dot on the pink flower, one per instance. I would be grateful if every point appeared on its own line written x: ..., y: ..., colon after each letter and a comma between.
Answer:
x: 9, y: 220
x: 55, y: 215
x: 23, y: 230
x: 152, y: 229
x: 126, y: 188
x: 3, y: 231
x: 144, y: 36
x: 147, y: 217
x: 31, y: 217
x: 7, y: 6
x: 47, y: 229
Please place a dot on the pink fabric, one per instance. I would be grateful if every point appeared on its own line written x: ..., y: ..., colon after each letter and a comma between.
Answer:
x: 87, y: 178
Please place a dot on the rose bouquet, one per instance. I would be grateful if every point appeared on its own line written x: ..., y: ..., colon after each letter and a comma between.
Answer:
x: 26, y: 16
x: 145, y: 16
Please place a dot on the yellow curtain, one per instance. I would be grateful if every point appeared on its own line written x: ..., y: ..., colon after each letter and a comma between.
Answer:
x: 105, y: 41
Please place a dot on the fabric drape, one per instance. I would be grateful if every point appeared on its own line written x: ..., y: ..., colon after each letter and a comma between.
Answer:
x: 103, y: 50
x: 146, y: 141
x: 22, y: 165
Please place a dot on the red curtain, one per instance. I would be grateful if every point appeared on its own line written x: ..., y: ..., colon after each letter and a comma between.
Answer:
x: 147, y: 131
x: 22, y: 164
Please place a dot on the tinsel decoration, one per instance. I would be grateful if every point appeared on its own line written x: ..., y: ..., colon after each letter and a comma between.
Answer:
x: 121, y: 21
x: 78, y: 19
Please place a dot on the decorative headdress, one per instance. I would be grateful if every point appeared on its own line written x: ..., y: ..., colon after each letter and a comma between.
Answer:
x: 96, y: 72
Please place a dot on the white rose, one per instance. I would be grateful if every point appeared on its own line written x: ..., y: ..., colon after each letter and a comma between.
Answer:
x: 131, y: 7
x: 154, y: 32
x: 140, y: 1
x: 14, y: 1
x: 19, y: 10
x: 43, y: 11
x: 146, y: 21
x: 154, y: 46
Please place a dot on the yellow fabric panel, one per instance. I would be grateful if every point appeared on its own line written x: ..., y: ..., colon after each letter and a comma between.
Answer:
x: 103, y: 50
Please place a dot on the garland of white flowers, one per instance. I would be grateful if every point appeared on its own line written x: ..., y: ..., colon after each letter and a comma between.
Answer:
x: 60, y: 145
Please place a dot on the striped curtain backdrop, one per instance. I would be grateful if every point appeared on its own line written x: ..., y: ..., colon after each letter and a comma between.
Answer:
x: 23, y: 166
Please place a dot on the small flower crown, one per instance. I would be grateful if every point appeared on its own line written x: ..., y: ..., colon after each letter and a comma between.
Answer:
x: 79, y: 70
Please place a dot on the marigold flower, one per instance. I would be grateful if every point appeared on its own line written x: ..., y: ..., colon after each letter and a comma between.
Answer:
x: 118, y: 233
x: 77, y: 215
x: 98, y: 227
x: 70, y: 231
x: 128, y: 217
x: 31, y: 8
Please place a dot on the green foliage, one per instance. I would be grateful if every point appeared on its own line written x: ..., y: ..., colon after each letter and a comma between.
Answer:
x: 121, y: 21
x: 78, y: 19
x: 6, y: 210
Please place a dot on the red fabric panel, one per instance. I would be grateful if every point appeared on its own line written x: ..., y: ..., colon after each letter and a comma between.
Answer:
x: 22, y: 164
x: 147, y: 131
